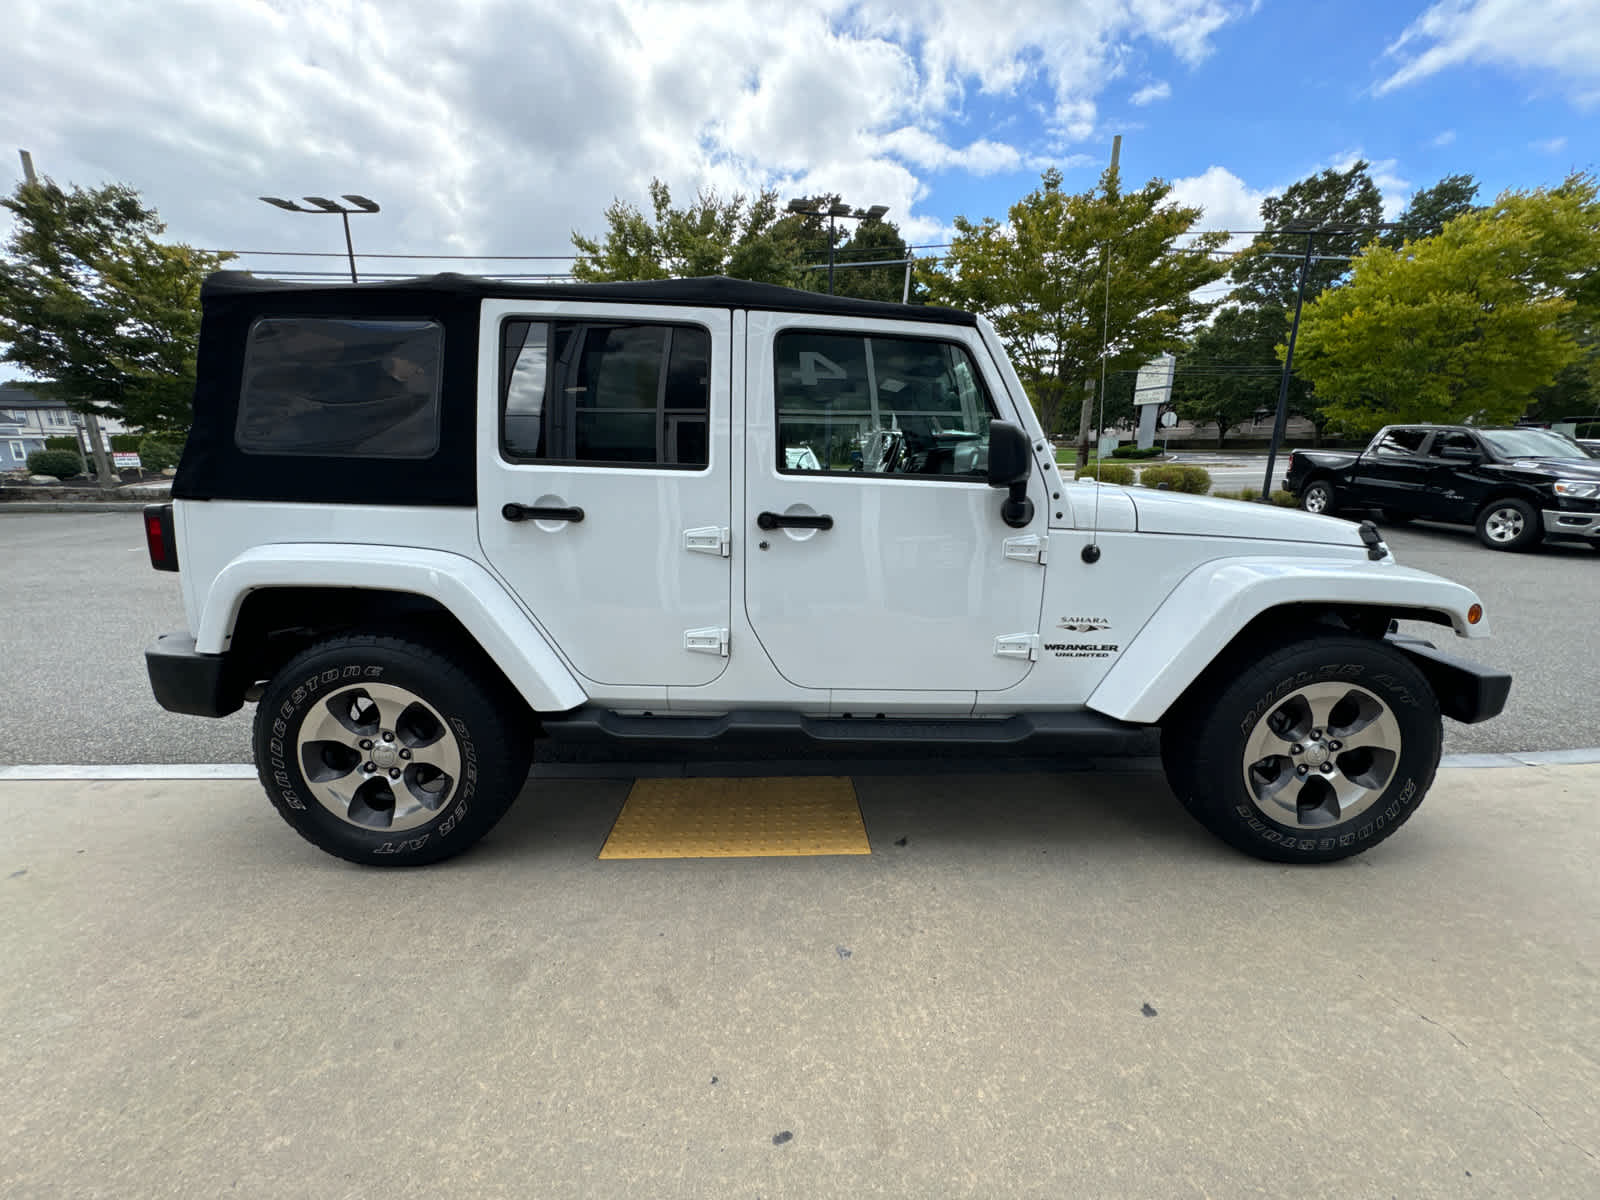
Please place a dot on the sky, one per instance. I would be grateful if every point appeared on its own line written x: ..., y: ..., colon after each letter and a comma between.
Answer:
x: 493, y: 127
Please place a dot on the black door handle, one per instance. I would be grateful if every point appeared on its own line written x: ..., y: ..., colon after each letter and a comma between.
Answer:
x: 772, y: 520
x: 540, y: 512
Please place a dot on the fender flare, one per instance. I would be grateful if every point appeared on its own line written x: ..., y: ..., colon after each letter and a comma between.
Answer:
x: 1214, y: 602
x: 465, y: 588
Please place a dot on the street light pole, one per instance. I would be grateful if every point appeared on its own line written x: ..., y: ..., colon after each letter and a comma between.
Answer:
x: 805, y: 206
x: 321, y: 204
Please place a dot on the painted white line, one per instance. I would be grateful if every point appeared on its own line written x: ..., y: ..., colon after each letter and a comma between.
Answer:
x: 47, y: 771
x: 621, y: 770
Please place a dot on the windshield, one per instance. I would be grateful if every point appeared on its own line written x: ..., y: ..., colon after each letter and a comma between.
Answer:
x: 1532, y: 443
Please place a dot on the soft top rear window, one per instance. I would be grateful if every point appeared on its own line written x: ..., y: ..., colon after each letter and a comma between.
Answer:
x: 341, y: 387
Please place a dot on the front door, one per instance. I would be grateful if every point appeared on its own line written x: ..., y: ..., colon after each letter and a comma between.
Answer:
x: 880, y: 434
x: 604, y: 481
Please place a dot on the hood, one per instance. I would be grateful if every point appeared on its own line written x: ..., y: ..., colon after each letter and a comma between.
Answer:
x: 1562, y: 468
x: 1175, y: 512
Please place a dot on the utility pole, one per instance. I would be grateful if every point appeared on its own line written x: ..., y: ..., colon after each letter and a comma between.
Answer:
x: 1088, y: 387
x: 102, y: 465
x: 1280, y: 423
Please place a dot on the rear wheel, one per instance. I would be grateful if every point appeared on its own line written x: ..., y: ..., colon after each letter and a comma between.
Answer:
x: 1317, y: 497
x: 1317, y: 752
x: 384, y: 751
x: 1508, y: 524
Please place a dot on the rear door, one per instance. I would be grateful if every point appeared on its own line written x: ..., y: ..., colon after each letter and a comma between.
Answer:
x: 879, y: 433
x: 604, y: 481
x: 1392, y: 472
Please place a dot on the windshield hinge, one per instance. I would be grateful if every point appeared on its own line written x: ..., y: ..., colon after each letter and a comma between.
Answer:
x: 1030, y: 547
x: 1017, y: 645
x: 709, y: 539
x: 706, y: 641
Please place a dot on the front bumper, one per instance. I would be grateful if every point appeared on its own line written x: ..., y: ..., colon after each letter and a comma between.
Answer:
x: 184, y: 681
x: 1560, y: 523
x: 1467, y: 692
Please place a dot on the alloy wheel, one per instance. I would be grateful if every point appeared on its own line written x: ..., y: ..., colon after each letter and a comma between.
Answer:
x: 1322, y: 755
x: 379, y: 757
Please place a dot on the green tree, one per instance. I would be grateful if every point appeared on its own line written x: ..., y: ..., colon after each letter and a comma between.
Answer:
x: 1467, y: 324
x: 1224, y: 378
x: 1237, y: 353
x: 1429, y: 208
x: 96, y: 306
x: 1042, y: 279
x: 868, y: 241
x: 711, y: 236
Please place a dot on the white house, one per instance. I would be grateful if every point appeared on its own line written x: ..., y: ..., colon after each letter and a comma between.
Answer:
x: 27, y: 418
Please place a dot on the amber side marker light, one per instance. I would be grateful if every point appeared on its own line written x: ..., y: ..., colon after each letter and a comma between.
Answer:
x: 1474, y: 614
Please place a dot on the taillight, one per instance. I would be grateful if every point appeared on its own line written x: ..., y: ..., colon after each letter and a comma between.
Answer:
x: 158, y: 536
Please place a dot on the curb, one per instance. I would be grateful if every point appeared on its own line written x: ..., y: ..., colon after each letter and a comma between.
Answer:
x: 44, y: 772
x: 61, y: 506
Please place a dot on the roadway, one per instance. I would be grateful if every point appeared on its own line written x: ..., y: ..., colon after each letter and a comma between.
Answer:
x: 81, y: 603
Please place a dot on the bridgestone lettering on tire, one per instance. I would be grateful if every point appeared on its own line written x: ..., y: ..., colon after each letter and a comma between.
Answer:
x: 383, y: 750
x: 1315, y: 751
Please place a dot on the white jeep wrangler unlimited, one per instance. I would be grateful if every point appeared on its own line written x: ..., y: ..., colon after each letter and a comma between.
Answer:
x: 421, y: 523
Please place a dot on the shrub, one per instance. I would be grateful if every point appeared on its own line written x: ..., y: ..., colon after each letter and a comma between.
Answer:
x: 1194, y: 480
x: 1135, y: 452
x: 125, y: 443
x: 63, y: 464
x: 1285, y: 499
x: 1109, y: 473
x: 158, y: 451
x: 69, y: 444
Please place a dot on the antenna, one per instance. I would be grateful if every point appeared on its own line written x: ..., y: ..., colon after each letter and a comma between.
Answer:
x: 1091, y: 552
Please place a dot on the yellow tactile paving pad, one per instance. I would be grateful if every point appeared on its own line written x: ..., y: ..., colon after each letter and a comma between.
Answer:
x: 738, y: 818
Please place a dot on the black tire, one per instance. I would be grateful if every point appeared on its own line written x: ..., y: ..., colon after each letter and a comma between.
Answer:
x: 1205, y: 746
x: 477, y: 724
x: 1509, y: 524
x: 1317, y: 497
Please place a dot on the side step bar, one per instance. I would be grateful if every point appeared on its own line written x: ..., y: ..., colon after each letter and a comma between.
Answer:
x: 1077, y: 726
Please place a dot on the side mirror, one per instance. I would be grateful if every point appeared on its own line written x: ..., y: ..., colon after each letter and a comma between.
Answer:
x: 1010, y: 456
x: 1010, y: 464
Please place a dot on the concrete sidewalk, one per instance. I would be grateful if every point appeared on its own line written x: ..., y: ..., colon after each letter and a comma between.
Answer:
x: 1037, y: 985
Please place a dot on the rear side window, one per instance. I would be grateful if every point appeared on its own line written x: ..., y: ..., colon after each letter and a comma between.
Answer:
x: 605, y: 393
x: 351, y: 388
x: 1401, y: 442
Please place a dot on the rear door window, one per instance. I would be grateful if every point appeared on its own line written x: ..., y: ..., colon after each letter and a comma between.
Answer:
x: 341, y: 387
x: 1401, y: 443
x: 605, y: 393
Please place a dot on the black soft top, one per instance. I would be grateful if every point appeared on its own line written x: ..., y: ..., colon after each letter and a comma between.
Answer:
x: 214, y: 467
x: 710, y: 291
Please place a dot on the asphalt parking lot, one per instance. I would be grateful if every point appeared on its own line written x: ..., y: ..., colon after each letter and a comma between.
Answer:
x: 81, y: 603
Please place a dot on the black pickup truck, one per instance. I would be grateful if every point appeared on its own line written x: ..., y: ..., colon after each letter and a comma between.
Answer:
x: 1516, y: 486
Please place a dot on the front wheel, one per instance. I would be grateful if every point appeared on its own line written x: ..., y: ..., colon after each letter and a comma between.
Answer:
x: 1508, y: 525
x: 1314, y: 753
x: 1317, y: 497
x: 384, y: 751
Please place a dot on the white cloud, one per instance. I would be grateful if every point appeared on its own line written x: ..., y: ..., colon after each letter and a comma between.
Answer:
x: 1553, y: 145
x: 1228, y: 201
x: 503, y: 126
x: 1446, y: 138
x: 1560, y: 38
x: 1151, y: 92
